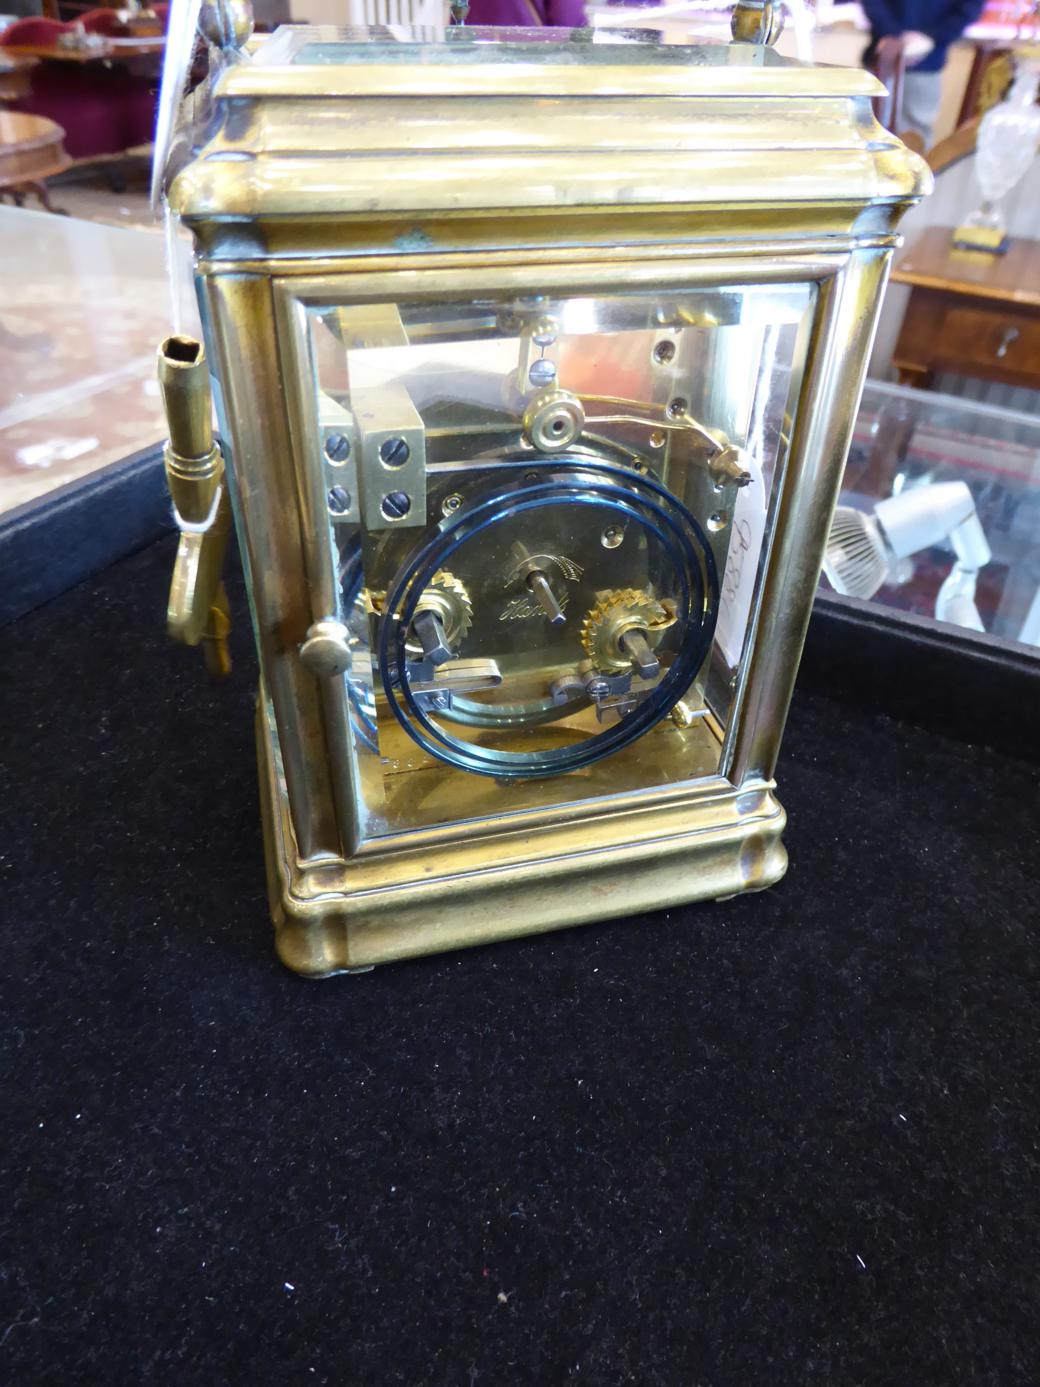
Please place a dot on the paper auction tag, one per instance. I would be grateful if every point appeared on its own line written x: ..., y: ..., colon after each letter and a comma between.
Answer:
x: 745, y: 547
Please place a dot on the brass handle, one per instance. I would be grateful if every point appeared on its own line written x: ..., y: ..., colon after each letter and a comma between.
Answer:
x: 1009, y: 335
x: 756, y: 21
x: 197, y: 610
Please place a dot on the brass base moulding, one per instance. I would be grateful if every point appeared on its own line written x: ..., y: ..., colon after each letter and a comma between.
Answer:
x: 706, y: 842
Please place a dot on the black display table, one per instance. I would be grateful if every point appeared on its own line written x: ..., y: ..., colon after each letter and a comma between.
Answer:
x: 791, y: 1138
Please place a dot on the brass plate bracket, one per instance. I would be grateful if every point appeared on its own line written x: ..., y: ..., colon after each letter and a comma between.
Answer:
x: 339, y: 449
x: 392, y: 458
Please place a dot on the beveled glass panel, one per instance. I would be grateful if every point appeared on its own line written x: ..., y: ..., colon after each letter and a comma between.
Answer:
x: 550, y: 517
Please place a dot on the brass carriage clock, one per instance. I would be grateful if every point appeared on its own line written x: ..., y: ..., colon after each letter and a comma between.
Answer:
x: 536, y: 357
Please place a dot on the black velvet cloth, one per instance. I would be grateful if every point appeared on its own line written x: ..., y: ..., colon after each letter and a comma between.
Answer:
x: 790, y: 1138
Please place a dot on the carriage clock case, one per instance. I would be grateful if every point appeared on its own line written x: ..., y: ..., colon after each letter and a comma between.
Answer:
x: 536, y: 355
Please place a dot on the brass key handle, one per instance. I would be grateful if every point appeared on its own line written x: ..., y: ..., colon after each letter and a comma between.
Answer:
x: 756, y: 21
x: 197, y: 611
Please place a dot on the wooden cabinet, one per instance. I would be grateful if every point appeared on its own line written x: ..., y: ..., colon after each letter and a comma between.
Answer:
x: 970, y: 314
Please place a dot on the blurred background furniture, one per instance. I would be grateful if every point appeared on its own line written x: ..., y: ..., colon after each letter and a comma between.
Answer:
x: 889, y: 67
x: 14, y: 76
x: 103, y: 96
x: 31, y: 150
x: 1007, y: 299
x: 988, y: 79
x: 419, y: 12
x: 969, y: 314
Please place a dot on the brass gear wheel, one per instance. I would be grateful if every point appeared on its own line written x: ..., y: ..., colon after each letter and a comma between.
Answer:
x: 446, y: 596
x: 617, y: 612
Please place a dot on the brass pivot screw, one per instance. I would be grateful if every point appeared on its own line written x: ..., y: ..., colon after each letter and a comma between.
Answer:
x: 337, y: 447
x: 537, y: 583
x: 394, y: 452
x: 542, y: 372
x: 729, y: 466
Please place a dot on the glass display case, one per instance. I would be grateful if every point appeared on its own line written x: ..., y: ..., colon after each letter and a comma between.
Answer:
x: 548, y: 515
x: 939, y: 513
x: 81, y: 308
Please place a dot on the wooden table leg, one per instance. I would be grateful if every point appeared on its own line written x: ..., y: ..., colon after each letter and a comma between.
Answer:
x: 44, y: 194
x: 31, y: 151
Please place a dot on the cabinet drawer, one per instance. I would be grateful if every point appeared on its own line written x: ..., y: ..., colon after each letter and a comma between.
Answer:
x: 1005, y: 341
x: 945, y: 332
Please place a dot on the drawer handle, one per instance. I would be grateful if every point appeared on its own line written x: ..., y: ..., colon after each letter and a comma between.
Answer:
x: 1009, y: 335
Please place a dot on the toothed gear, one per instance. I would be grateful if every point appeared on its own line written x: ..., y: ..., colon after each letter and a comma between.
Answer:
x: 446, y: 596
x: 616, y: 612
